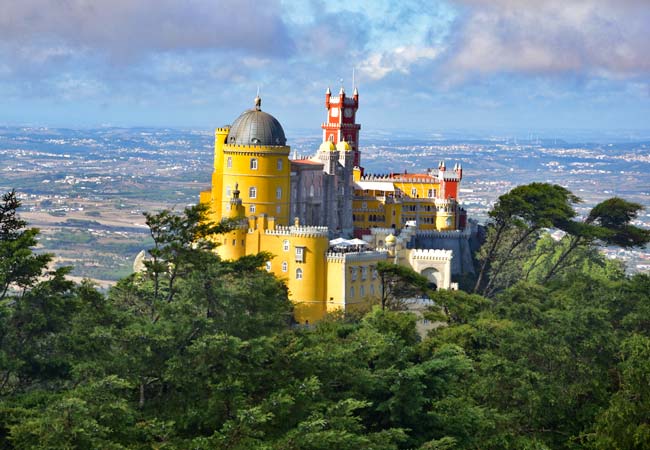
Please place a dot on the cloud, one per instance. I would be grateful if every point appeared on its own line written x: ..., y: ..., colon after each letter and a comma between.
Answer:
x: 125, y: 30
x: 378, y: 65
x: 607, y: 38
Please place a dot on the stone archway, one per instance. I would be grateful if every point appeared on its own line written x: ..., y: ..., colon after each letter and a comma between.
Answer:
x: 433, y: 276
x: 435, y: 264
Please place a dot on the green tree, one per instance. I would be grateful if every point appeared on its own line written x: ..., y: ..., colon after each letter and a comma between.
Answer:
x: 399, y: 284
x: 607, y: 223
x: 19, y: 266
x: 527, y: 209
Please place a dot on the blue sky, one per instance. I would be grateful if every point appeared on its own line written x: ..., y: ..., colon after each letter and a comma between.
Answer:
x: 420, y: 65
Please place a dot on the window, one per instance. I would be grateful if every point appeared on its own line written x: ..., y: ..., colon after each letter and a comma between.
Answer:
x: 285, y: 266
x: 229, y: 162
x: 431, y: 193
x: 354, y: 273
x: 268, y: 266
x: 300, y: 254
x: 414, y: 192
x: 253, y: 163
x: 372, y: 289
x: 285, y: 245
x: 364, y: 205
x: 331, y: 138
x: 311, y: 190
x: 251, y: 208
x: 278, y: 193
x: 280, y: 164
x: 278, y: 209
x: 364, y: 273
x: 298, y: 273
x: 228, y: 191
x: 352, y: 292
x: 252, y: 192
x: 362, y: 291
x: 234, y: 242
x: 375, y: 274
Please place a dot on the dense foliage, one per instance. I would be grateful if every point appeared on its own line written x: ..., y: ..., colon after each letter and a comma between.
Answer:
x: 199, y: 353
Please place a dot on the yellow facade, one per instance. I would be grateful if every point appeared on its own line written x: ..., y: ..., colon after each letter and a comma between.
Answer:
x: 415, y: 200
x: 251, y: 182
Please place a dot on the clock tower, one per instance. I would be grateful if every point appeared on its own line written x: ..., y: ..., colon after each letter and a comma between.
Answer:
x: 341, y: 121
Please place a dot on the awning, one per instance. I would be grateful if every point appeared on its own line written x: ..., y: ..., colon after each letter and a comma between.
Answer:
x: 386, y: 186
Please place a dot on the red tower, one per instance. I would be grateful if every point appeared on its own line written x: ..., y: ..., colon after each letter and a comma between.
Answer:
x: 341, y: 121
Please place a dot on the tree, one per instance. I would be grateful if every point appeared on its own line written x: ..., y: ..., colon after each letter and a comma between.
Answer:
x: 19, y: 266
x: 177, y: 239
x: 399, y: 284
x: 608, y: 223
x: 528, y: 209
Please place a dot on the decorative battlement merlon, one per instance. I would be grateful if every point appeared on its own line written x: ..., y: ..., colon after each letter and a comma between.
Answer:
x: 431, y: 254
x: 357, y: 256
x: 300, y: 230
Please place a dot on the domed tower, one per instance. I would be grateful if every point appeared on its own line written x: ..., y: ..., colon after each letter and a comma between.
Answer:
x: 252, y: 154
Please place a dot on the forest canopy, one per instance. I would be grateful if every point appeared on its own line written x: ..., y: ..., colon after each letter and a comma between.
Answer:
x: 548, y: 348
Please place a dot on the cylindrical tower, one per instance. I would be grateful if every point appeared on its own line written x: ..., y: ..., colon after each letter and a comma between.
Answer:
x: 256, y: 157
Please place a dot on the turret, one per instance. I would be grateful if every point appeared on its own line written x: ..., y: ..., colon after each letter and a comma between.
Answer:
x: 328, y: 96
x: 459, y: 171
x: 237, y: 210
x: 355, y: 96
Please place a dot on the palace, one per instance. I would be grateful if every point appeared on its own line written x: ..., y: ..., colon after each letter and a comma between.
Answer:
x: 325, y: 221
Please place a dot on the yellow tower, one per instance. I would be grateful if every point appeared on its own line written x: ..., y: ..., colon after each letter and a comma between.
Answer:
x: 253, y: 155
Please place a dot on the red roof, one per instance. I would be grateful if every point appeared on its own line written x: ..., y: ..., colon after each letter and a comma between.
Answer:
x: 306, y: 161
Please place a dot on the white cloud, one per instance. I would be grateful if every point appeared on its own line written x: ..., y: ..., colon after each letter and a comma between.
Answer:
x: 378, y: 65
x: 609, y: 37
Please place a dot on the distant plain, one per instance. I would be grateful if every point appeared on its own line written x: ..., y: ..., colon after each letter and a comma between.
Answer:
x: 87, y: 189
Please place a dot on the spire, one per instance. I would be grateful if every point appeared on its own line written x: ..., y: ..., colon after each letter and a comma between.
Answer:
x: 328, y: 92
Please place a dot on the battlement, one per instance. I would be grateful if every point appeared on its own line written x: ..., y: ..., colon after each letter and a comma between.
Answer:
x: 260, y: 148
x: 431, y: 254
x: 357, y: 256
x: 222, y: 130
x: 298, y: 231
x: 451, y: 234
x: 385, y: 231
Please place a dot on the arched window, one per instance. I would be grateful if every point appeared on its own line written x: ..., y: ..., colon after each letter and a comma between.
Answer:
x: 229, y: 162
x: 278, y: 193
x: 252, y: 192
x: 331, y: 138
x: 280, y: 164
x: 298, y: 273
x: 285, y: 245
x: 253, y: 163
x: 251, y: 209
x: 285, y: 266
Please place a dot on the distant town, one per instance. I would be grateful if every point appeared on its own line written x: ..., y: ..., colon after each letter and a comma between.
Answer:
x: 87, y: 189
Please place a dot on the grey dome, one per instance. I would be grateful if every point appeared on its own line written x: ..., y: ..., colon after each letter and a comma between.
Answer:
x: 255, y: 127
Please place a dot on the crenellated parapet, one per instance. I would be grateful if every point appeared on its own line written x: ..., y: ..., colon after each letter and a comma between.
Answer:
x: 298, y: 231
x: 450, y: 234
x: 431, y: 255
x: 375, y: 255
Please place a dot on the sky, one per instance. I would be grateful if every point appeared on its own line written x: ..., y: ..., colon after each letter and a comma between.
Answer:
x: 419, y: 65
